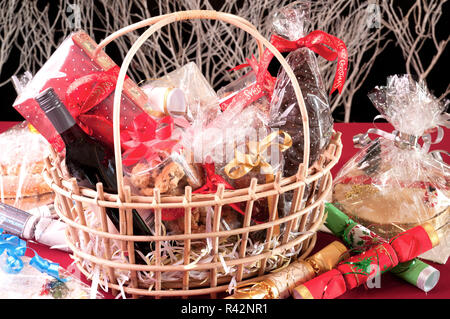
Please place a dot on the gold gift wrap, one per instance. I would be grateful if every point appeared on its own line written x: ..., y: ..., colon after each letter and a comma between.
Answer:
x: 279, y: 284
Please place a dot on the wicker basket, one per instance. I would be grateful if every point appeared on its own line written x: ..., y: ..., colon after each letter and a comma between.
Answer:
x: 305, y: 217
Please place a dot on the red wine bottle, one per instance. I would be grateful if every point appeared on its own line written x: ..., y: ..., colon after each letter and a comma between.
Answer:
x: 89, y: 160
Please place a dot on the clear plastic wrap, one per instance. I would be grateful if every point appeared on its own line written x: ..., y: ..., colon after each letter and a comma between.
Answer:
x: 199, y: 97
x: 23, y: 277
x: 291, y: 23
x: 22, y: 162
x: 393, y: 183
x: 246, y: 87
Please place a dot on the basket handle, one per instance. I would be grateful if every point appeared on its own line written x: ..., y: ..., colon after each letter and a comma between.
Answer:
x: 153, y: 20
x: 161, y: 21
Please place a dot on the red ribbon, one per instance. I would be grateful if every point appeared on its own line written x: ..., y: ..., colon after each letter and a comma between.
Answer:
x: 149, y: 139
x: 325, y: 45
x: 212, y: 182
x: 85, y: 93
x: 264, y: 84
x: 322, y: 43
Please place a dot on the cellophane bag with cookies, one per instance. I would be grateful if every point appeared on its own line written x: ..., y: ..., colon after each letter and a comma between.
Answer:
x: 235, y: 149
x: 394, y: 183
x: 22, y: 163
x: 155, y: 158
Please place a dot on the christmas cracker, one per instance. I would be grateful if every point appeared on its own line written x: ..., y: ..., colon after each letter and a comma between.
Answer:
x: 358, y: 270
x: 358, y: 237
x: 279, y: 284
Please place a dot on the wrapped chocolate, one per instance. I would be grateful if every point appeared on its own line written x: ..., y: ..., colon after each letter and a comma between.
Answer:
x: 359, y: 269
x: 186, y: 85
x: 23, y: 277
x: 393, y: 183
x: 279, y: 284
x: 85, y: 84
x: 22, y: 162
x: 359, y: 239
x: 290, y: 23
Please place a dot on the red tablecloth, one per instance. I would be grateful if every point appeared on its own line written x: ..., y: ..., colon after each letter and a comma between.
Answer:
x: 391, y: 287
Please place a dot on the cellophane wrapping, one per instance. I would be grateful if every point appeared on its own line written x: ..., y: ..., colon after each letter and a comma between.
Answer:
x: 30, y: 283
x: 390, y: 186
x: 291, y: 22
x: 22, y: 163
x: 200, y: 98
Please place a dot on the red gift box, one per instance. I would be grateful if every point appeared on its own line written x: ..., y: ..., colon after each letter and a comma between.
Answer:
x: 85, y: 84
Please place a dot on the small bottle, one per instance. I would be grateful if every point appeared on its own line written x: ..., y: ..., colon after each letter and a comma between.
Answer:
x: 89, y: 160
x: 165, y: 101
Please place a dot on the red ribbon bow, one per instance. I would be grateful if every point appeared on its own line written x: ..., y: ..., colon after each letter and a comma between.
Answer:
x: 326, y: 45
x: 212, y: 182
x: 149, y: 139
x: 84, y: 94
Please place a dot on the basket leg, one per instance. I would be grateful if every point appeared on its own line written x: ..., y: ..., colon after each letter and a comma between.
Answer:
x: 157, y: 254
x: 273, y: 208
x: 130, y: 244
x: 79, y: 209
x: 215, y: 240
x: 62, y: 200
x: 247, y: 220
x: 106, y: 241
x: 187, y: 242
x: 295, y: 206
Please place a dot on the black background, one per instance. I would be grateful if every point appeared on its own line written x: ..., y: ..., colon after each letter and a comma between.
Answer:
x: 388, y: 63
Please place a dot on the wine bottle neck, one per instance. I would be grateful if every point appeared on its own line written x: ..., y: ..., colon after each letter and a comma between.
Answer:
x: 61, y: 119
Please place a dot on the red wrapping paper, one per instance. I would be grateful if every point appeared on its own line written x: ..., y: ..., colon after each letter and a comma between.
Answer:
x: 85, y: 84
x: 357, y: 270
x: 329, y: 285
x: 414, y: 242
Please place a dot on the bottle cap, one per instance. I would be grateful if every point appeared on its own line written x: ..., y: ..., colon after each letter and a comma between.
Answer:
x: 165, y: 101
x: 48, y: 100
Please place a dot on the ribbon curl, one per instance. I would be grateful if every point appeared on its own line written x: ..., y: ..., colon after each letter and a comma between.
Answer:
x: 264, y: 84
x: 244, y: 163
x: 326, y: 45
x: 15, y: 249
x: 407, y: 141
x: 85, y: 93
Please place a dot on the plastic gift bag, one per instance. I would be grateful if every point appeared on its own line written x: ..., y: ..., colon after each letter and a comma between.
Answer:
x: 23, y: 277
x: 237, y: 147
x: 393, y: 183
x: 22, y: 163
x: 291, y: 23
x: 184, y: 93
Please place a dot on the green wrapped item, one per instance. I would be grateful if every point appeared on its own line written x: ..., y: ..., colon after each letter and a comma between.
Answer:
x: 359, y: 238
